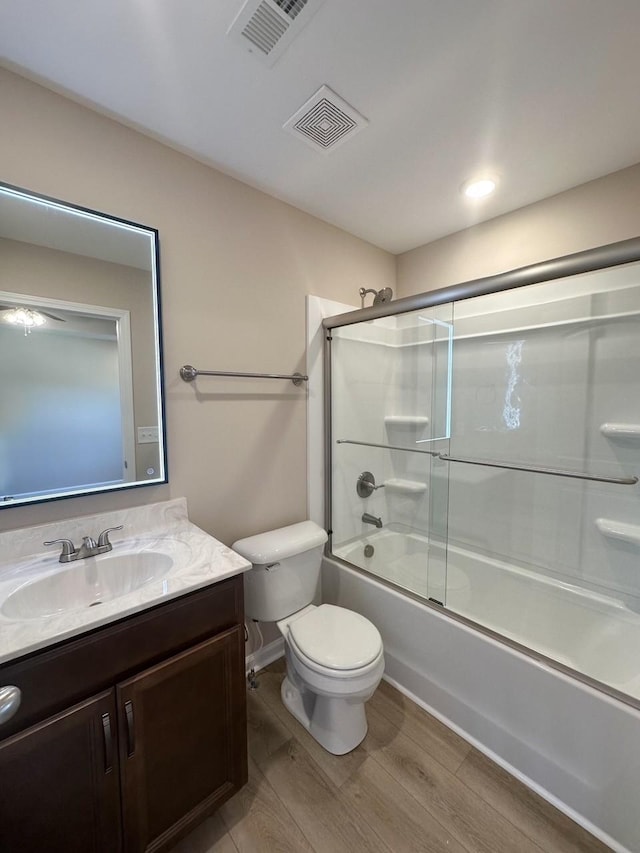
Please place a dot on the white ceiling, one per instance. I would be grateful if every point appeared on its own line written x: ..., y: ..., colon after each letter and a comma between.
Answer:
x: 542, y: 92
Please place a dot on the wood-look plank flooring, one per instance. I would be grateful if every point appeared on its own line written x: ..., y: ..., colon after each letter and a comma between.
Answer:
x: 412, y: 785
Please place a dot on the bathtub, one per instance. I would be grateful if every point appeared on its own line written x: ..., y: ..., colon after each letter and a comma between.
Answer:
x: 595, y: 634
x: 577, y: 746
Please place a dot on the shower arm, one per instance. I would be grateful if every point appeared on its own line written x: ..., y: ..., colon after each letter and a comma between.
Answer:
x: 363, y: 292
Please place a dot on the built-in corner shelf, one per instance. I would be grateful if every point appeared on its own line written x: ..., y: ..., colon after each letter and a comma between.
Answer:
x: 406, y: 420
x: 409, y: 487
x: 619, y: 530
x: 616, y: 430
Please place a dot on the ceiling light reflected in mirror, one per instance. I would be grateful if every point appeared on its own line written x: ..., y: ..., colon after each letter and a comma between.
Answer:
x: 25, y: 317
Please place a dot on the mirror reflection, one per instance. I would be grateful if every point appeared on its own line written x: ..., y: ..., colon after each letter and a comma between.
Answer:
x: 80, y: 387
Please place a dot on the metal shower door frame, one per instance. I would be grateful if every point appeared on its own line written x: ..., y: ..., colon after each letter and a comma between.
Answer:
x: 590, y: 260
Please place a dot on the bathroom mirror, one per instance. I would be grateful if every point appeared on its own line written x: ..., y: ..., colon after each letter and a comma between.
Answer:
x: 81, y: 406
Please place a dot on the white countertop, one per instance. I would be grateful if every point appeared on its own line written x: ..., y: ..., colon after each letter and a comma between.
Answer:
x: 199, y: 560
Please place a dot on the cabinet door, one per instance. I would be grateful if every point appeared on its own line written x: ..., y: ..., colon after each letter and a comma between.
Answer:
x: 182, y: 740
x: 59, y: 784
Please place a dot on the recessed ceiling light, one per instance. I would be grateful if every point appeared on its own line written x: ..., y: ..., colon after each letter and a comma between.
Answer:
x: 479, y: 187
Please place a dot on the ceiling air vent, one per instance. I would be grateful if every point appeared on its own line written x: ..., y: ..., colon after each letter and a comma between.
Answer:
x: 291, y: 7
x: 266, y: 27
x: 325, y: 121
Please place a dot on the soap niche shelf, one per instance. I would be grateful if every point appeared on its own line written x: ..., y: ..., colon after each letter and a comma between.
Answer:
x: 407, y: 421
x: 621, y: 431
x: 619, y: 530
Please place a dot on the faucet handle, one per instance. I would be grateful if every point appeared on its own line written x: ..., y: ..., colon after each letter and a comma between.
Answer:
x: 103, y: 539
x: 68, y: 548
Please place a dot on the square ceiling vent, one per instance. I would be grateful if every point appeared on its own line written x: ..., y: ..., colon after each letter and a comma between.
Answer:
x: 325, y: 121
x: 266, y: 28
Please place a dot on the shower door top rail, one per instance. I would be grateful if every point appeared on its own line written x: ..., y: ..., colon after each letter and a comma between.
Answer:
x: 588, y: 260
x: 487, y: 463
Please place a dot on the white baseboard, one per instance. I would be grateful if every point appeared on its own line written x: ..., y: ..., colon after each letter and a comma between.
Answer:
x: 267, y: 654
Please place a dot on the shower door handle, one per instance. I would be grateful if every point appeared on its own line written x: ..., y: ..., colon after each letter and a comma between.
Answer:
x: 534, y: 469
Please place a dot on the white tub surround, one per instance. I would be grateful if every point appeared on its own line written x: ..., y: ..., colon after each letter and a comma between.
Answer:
x: 196, y: 560
x: 317, y: 309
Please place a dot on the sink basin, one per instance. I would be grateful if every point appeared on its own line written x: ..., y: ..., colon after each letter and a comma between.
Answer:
x: 87, y: 583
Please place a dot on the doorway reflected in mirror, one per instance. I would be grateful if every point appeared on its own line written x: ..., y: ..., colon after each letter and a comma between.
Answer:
x: 80, y: 352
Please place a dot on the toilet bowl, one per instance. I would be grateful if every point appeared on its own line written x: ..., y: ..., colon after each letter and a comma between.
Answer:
x: 334, y: 656
x: 329, y: 676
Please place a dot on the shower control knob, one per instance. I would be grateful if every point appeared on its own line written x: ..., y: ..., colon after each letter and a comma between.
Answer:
x: 366, y: 485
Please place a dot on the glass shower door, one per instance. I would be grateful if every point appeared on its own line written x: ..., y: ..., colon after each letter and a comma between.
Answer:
x: 391, y: 390
x: 543, y: 533
x: 485, y: 457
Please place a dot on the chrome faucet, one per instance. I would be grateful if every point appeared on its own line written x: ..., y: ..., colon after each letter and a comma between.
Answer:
x: 89, y: 547
x: 371, y: 519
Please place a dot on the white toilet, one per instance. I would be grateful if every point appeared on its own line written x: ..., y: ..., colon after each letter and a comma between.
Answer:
x: 334, y: 656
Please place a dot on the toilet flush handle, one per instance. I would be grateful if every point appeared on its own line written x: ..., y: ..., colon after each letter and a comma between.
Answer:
x: 270, y: 566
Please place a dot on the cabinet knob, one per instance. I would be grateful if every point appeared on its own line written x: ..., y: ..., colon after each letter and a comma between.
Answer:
x: 10, y: 698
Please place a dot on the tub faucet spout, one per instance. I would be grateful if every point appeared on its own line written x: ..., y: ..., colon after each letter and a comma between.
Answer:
x: 371, y: 519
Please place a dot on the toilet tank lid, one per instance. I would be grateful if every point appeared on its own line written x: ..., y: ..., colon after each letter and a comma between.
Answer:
x: 281, y: 543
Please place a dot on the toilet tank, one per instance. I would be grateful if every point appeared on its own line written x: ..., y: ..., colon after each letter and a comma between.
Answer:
x: 286, y: 570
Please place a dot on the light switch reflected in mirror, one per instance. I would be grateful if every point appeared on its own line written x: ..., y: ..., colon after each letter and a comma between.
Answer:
x: 80, y: 352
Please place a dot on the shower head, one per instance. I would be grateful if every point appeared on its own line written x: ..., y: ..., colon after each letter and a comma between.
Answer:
x: 379, y: 296
x: 384, y: 295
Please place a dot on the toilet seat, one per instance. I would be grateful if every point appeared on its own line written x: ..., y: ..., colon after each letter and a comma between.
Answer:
x: 315, y: 671
x: 330, y: 638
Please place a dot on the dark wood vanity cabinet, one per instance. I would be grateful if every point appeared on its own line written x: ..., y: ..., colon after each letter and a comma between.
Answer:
x: 179, y: 740
x: 57, y: 792
x: 147, y: 755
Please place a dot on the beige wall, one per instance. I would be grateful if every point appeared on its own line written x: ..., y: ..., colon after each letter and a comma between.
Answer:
x: 594, y: 214
x: 235, y: 268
